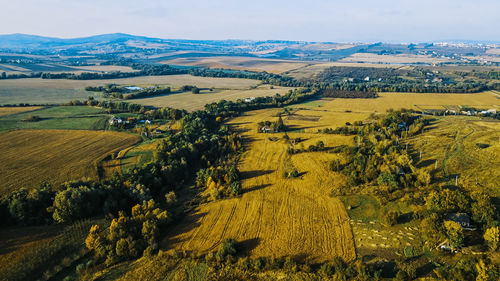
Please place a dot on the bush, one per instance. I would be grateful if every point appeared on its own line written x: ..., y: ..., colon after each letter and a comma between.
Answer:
x: 391, y: 217
x: 228, y: 248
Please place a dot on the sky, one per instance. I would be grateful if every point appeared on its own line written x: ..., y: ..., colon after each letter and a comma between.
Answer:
x: 311, y: 20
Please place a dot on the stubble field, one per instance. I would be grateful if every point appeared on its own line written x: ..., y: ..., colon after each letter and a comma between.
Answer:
x: 275, y: 216
x: 30, y: 157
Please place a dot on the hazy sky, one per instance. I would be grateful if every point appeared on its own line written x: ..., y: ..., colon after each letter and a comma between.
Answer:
x: 312, y: 20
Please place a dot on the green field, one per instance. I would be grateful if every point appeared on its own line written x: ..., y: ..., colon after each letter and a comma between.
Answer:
x: 59, y: 117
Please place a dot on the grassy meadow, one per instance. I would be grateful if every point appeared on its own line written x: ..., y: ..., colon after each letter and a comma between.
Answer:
x: 452, y: 144
x: 57, y: 117
x: 30, y: 157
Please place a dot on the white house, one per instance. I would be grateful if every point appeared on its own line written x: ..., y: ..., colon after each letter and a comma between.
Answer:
x: 134, y: 88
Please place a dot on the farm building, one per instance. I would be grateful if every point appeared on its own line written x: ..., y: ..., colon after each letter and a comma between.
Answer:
x: 266, y: 129
x: 134, y: 88
x: 461, y: 218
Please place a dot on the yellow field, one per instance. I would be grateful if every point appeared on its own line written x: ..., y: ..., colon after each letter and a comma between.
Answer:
x: 31, y: 156
x: 4, y: 111
x: 274, y: 215
x: 451, y: 141
x: 411, y: 100
x: 239, y: 63
x: 192, y: 102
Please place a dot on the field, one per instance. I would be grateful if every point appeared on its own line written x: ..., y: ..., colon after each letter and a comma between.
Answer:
x: 31, y: 156
x: 58, y: 117
x: 239, y: 63
x: 298, y: 217
x: 395, y: 101
x: 52, y: 91
x: 393, y: 59
x: 451, y: 145
x: 191, y: 102
x: 275, y: 216
x: 4, y: 111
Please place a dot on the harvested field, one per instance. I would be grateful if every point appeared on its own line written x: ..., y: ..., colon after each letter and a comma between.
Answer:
x: 55, y: 91
x: 410, y: 100
x: 4, y: 111
x: 31, y: 156
x: 239, y: 63
x: 191, y: 102
x: 274, y: 215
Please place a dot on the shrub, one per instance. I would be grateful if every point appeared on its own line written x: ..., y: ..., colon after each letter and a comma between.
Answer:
x: 391, y: 217
x: 228, y: 248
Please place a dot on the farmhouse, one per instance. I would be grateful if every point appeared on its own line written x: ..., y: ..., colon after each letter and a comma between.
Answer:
x: 134, y: 88
x: 115, y: 121
x: 266, y: 129
x: 249, y: 99
x: 461, y: 218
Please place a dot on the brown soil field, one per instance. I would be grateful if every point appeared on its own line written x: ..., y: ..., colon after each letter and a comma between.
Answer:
x: 275, y: 216
x: 30, y: 157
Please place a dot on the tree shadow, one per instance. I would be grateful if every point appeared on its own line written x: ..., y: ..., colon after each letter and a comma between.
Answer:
x: 425, y: 163
x: 248, y: 245
x: 254, y: 173
x: 257, y: 187
x: 183, y: 225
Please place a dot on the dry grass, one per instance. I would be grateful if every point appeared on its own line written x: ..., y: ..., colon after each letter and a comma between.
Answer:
x: 239, y: 63
x: 4, y: 111
x: 451, y: 142
x: 192, y: 102
x: 31, y: 156
x: 274, y: 215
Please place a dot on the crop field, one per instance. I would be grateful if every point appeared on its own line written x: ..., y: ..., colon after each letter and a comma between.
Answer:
x: 416, y: 101
x: 58, y: 117
x: 30, y: 157
x: 55, y: 91
x: 17, y: 243
x: 4, y: 111
x: 451, y: 145
x: 239, y: 63
x: 191, y: 102
x: 274, y: 215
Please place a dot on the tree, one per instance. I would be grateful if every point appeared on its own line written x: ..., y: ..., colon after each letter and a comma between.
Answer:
x: 455, y: 234
x: 492, y: 236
